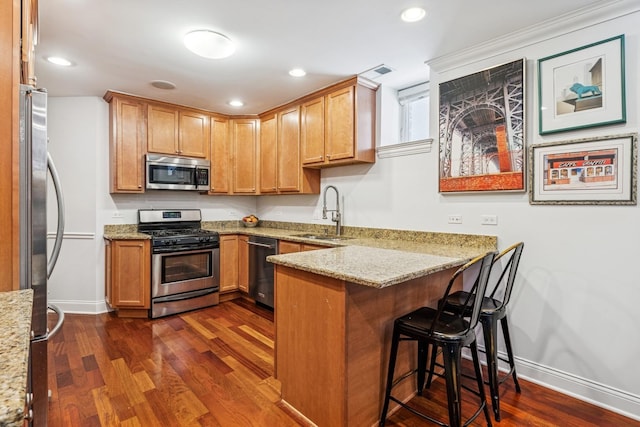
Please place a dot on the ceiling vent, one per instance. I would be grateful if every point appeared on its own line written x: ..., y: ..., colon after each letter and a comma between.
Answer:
x: 376, y: 72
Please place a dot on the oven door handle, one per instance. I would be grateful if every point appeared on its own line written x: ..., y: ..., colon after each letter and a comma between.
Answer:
x: 185, y: 296
x: 262, y: 245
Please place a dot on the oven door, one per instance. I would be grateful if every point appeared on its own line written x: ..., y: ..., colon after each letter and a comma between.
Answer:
x: 184, y: 271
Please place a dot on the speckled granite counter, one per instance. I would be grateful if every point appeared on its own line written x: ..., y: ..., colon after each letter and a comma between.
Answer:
x: 15, y: 318
x: 371, y: 256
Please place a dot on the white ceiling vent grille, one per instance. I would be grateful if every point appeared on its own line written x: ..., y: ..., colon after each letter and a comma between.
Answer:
x: 376, y: 72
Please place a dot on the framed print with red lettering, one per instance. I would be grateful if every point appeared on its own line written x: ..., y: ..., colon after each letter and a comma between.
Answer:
x: 588, y: 171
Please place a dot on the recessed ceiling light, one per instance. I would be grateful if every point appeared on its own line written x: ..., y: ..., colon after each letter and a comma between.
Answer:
x: 209, y: 44
x: 413, y: 14
x: 163, y: 84
x: 236, y: 103
x: 297, y: 72
x: 59, y: 61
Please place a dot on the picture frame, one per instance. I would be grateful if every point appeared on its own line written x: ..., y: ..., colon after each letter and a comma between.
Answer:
x: 482, y: 131
x: 582, y: 87
x: 587, y: 171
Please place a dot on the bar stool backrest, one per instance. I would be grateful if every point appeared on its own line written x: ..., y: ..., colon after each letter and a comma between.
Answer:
x: 513, y: 252
x: 479, y: 288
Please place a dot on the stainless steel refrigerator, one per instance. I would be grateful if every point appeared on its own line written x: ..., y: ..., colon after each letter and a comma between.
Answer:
x: 35, y: 268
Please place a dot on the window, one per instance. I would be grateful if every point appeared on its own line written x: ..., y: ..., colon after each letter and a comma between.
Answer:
x: 414, y: 112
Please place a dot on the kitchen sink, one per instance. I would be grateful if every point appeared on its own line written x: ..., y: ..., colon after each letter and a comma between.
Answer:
x: 328, y: 237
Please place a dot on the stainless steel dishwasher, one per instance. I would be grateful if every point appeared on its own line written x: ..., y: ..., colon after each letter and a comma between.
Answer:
x: 261, y: 271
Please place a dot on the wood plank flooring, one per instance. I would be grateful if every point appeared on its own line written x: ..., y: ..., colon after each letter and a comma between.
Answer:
x: 214, y: 367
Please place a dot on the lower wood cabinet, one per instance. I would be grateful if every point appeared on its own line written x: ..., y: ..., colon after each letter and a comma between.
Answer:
x: 287, y: 247
x: 243, y: 263
x: 128, y: 276
x: 228, y: 263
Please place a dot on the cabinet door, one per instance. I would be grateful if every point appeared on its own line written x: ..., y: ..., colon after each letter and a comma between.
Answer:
x: 312, y: 131
x: 194, y: 134
x: 306, y: 247
x: 268, y: 155
x: 243, y: 263
x: 339, y: 124
x: 126, y: 149
x: 29, y: 33
x: 244, y: 136
x: 228, y: 263
x: 220, y: 155
x: 289, y: 168
x: 162, y: 129
x: 286, y: 247
x: 130, y: 273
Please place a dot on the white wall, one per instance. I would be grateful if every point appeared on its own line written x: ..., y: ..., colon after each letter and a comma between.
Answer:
x: 573, y: 313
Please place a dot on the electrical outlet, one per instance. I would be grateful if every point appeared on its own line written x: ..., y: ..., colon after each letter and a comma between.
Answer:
x: 455, y: 219
x: 277, y: 213
x: 231, y: 213
x: 489, y: 219
x: 117, y: 215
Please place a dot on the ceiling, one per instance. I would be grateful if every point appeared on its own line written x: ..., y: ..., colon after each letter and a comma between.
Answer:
x: 123, y: 45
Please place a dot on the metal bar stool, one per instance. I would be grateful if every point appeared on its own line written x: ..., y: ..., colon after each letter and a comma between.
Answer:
x: 493, y: 311
x: 451, y: 332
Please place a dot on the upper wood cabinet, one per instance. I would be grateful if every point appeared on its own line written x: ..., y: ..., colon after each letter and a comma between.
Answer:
x: 244, y: 138
x: 280, y: 163
x: 338, y: 127
x: 29, y: 40
x: 220, y: 156
x: 269, y: 154
x: 127, y: 140
x: 177, y: 131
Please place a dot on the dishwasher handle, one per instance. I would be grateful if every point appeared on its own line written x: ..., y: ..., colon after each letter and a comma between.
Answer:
x: 262, y: 245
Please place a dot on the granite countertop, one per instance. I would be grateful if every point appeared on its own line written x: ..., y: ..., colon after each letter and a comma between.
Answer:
x: 15, y: 318
x: 370, y: 256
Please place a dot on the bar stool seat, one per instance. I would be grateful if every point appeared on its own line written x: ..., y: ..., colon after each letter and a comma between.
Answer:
x: 449, y: 331
x: 493, y: 311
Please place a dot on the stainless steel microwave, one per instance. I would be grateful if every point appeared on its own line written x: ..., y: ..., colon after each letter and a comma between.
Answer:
x: 177, y: 173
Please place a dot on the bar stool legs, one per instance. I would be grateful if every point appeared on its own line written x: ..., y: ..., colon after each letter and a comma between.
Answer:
x: 490, y: 332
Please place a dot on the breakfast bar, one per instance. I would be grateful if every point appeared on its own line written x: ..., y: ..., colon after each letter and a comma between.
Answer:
x: 334, y: 312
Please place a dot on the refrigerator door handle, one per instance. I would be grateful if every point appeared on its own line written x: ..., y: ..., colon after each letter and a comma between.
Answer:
x: 60, y: 232
x: 60, y: 321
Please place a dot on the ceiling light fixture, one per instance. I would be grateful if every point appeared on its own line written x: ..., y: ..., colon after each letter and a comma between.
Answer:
x: 297, y: 72
x: 413, y: 14
x: 59, y: 61
x: 236, y: 103
x: 209, y: 44
x: 163, y: 84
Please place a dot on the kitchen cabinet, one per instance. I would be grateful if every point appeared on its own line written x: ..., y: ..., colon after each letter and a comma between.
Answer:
x: 338, y: 126
x: 127, y: 140
x: 220, y: 156
x: 287, y: 247
x: 177, y: 131
x: 269, y: 154
x: 29, y: 40
x: 281, y: 170
x: 244, y: 139
x: 243, y: 263
x: 9, y: 131
x: 228, y: 263
x: 128, y: 276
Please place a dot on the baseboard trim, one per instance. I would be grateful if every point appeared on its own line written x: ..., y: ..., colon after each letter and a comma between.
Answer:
x: 592, y: 392
x: 81, y: 307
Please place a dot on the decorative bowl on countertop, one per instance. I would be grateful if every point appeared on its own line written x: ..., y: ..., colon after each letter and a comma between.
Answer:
x: 250, y: 221
x: 250, y: 224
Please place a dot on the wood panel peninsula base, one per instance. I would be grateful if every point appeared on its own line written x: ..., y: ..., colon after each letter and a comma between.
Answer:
x: 333, y: 334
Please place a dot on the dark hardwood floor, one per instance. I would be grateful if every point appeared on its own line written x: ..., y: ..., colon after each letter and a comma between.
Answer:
x: 214, y: 367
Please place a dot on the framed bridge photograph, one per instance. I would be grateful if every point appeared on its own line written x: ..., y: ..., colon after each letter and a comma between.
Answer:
x: 481, y: 118
x: 588, y: 171
x: 583, y: 87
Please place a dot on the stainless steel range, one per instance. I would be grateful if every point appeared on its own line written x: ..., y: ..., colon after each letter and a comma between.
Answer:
x: 185, y: 261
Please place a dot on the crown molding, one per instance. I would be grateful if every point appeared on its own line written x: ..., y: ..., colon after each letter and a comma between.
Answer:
x: 564, y: 24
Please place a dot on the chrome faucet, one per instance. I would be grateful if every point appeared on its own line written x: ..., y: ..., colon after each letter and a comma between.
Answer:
x: 336, y: 216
